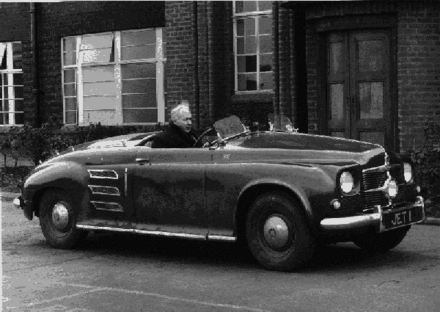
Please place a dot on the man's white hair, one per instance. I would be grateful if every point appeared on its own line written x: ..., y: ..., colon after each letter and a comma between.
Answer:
x: 177, y: 111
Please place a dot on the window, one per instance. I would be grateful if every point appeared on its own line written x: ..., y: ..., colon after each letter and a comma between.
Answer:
x: 114, y: 77
x: 11, y: 84
x: 253, y: 45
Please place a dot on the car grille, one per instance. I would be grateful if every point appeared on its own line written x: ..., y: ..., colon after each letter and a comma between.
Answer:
x: 375, y: 179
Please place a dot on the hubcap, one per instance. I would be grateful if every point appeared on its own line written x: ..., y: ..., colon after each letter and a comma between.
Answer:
x: 60, y: 216
x: 276, y: 232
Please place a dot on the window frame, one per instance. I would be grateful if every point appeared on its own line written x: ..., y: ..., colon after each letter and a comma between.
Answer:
x: 243, y: 16
x: 10, y: 71
x: 159, y: 60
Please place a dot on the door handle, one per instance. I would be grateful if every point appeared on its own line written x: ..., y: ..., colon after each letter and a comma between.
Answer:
x: 142, y: 160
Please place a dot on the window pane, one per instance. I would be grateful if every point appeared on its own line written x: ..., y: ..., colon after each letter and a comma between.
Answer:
x: 69, y: 89
x: 69, y: 76
x: 266, y: 62
x: 240, y: 45
x: 249, y: 26
x: 71, y: 117
x: 247, y: 82
x: 251, y: 46
x: 97, y: 56
x: 241, y: 64
x: 138, y: 37
x: 265, y: 25
x: 18, y: 92
x: 240, y: 27
x: 144, y: 70
x: 19, y: 118
x: 70, y: 103
x: 100, y: 103
x: 251, y: 82
x: 99, y: 88
x: 139, y: 115
x: 16, y: 62
x: 336, y: 60
x: 247, y: 63
x: 370, y: 55
x: 266, y: 44
x: 264, y: 5
x: 139, y: 100
x: 69, y: 58
x: 139, y: 86
x: 18, y: 79
x: 371, y: 100
x: 239, y: 6
x: 266, y: 81
x: 69, y: 44
x: 251, y: 63
x: 138, y: 52
x: 2, y: 55
x: 95, y: 42
x: 249, y: 6
x: 100, y: 73
x: 19, y: 105
x: 105, y: 117
x: 337, y: 101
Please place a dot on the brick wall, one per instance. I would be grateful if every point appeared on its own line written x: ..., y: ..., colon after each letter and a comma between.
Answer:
x: 418, y: 70
x: 179, y: 38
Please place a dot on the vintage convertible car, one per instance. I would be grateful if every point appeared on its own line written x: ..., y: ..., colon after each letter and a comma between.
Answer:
x: 280, y: 193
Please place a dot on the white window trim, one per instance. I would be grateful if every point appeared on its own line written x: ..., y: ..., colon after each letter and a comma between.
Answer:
x: 159, y: 60
x: 237, y: 16
x: 10, y: 71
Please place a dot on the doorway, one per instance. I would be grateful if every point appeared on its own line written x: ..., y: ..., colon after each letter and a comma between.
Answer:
x: 358, y: 85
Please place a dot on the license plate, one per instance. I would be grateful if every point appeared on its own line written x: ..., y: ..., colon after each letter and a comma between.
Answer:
x: 394, y: 219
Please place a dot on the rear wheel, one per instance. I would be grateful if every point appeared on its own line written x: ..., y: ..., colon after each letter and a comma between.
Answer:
x: 58, y: 220
x: 382, y: 242
x: 277, y: 232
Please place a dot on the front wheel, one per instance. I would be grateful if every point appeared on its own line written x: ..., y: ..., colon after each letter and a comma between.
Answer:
x: 382, y: 242
x: 58, y: 220
x: 277, y: 232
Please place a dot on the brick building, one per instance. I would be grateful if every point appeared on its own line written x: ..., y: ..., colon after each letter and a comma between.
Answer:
x: 359, y: 69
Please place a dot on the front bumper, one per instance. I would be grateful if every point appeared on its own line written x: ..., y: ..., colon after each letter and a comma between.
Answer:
x: 19, y: 203
x: 375, y: 219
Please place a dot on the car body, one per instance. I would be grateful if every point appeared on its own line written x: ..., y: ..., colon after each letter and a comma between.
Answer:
x: 281, y: 193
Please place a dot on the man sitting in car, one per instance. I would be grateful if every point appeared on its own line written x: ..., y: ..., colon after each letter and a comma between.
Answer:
x: 178, y: 133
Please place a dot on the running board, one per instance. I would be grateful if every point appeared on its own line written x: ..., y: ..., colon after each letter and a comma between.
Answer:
x: 156, y: 233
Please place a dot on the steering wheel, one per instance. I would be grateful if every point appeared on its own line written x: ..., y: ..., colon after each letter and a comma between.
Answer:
x: 204, y: 133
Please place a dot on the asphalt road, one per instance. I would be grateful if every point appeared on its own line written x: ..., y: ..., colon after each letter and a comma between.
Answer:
x: 135, y: 273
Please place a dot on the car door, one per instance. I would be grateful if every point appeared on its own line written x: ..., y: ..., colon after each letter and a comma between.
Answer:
x: 169, y: 190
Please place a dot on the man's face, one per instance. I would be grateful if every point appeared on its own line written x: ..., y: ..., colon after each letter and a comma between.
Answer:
x: 184, y: 121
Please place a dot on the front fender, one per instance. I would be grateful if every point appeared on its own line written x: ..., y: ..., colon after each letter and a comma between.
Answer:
x: 68, y: 176
x: 312, y: 186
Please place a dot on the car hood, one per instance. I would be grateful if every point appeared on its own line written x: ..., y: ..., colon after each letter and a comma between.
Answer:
x: 309, y: 148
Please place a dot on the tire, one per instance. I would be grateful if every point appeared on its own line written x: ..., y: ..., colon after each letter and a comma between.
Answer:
x: 58, y: 220
x: 382, y: 242
x: 277, y: 232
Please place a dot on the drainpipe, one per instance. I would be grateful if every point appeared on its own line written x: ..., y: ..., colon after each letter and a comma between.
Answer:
x: 275, y: 10
x: 196, y: 64
x: 35, y: 91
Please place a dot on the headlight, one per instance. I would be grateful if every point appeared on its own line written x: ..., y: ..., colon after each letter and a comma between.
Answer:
x: 346, y: 181
x: 407, y: 172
